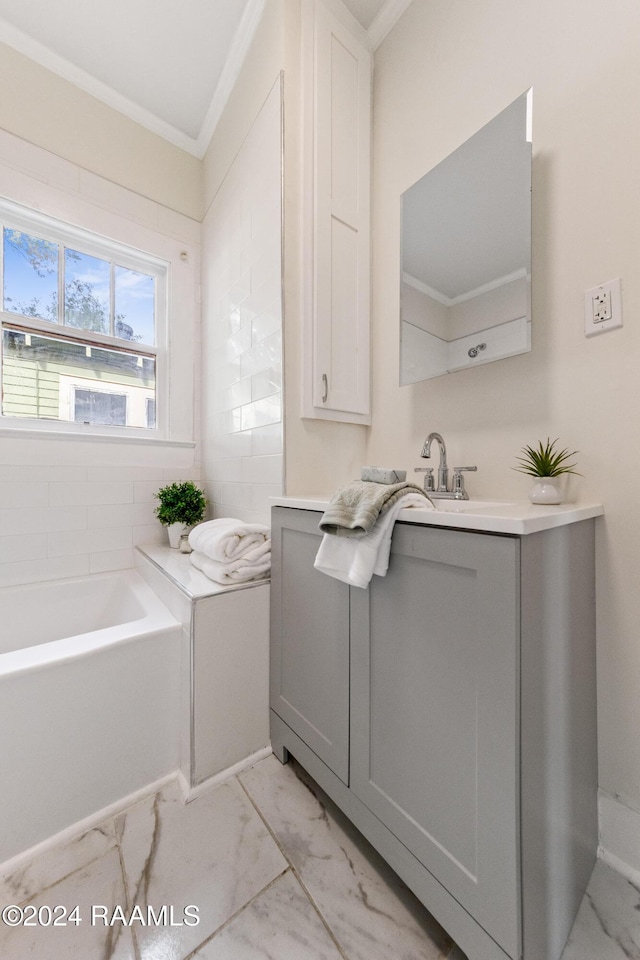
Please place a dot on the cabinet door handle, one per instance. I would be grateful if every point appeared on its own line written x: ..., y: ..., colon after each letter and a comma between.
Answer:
x: 325, y: 381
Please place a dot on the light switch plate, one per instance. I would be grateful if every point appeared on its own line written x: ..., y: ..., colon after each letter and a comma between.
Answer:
x: 603, y: 308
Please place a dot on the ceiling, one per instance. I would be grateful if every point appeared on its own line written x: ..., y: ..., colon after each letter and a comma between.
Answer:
x: 168, y: 66
x: 365, y: 11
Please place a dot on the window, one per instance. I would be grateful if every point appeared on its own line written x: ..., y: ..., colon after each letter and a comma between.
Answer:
x: 151, y: 412
x: 82, y: 326
x: 91, y: 406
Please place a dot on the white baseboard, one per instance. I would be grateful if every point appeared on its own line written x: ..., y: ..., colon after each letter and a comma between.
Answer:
x: 83, y: 826
x: 190, y: 793
x: 619, y: 836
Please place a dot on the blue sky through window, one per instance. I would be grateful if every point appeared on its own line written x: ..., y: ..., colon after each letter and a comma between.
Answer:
x: 31, y: 289
x: 27, y: 291
x: 87, y: 292
x: 135, y: 303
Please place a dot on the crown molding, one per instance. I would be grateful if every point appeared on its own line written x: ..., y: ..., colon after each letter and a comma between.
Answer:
x: 230, y: 73
x: 446, y: 301
x: 385, y: 21
x: 62, y: 67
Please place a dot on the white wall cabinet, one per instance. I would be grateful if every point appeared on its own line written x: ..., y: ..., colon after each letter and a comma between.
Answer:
x: 337, y: 64
x: 449, y: 710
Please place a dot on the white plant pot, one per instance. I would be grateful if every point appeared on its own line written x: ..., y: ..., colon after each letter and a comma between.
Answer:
x: 175, y: 531
x: 546, y: 490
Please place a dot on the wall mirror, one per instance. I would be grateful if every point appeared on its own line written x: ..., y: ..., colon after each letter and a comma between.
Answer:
x: 465, y: 288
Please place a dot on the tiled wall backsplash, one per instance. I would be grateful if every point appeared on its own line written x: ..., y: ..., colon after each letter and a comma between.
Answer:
x: 242, y: 328
x: 70, y: 521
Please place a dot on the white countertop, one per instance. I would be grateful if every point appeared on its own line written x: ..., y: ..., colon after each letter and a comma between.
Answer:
x: 517, y: 517
x: 179, y: 569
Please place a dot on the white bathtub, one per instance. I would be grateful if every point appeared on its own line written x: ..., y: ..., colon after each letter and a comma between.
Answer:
x: 89, y: 700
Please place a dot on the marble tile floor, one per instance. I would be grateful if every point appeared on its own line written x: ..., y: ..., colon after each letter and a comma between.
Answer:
x: 276, y: 872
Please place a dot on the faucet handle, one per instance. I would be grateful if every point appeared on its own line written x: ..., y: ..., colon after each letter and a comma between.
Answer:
x: 458, y: 488
x: 428, y: 476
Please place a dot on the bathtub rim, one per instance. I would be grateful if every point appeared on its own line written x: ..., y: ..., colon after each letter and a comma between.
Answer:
x: 157, y: 619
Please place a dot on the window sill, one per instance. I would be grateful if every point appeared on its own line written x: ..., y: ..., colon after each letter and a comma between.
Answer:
x: 34, y: 433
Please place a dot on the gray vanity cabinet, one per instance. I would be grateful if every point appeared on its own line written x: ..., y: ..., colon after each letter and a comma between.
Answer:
x: 309, y: 677
x: 434, y: 712
x: 449, y: 710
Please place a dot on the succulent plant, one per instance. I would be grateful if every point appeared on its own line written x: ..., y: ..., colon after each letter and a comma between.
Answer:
x: 545, y: 460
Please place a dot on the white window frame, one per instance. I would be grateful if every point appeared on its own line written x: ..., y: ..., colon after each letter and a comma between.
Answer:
x: 14, y: 215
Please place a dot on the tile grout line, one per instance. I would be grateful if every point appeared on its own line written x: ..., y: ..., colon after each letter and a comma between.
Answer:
x: 54, y: 883
x: 295, y: 873
x: 218, y: 930
x: 116, y: 844
x: 125, y: 885
x: 302, y: 780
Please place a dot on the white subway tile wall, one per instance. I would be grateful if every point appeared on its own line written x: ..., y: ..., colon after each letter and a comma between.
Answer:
x: 242, y: 442
x: 68, y: 508
x: 87, y: 525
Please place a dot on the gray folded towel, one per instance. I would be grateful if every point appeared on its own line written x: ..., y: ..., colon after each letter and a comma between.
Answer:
x: 355, y: 507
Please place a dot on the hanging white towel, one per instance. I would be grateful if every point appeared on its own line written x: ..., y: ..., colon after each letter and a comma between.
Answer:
x: 227, y: 539
x: 354, y: 560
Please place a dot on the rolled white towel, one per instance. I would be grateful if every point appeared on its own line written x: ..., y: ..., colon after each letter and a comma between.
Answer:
x: 240, y: 571
x: 227, y: 539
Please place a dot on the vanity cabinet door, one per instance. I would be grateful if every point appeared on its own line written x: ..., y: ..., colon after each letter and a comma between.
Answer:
x: 309, y: 641
x: 434, y: 722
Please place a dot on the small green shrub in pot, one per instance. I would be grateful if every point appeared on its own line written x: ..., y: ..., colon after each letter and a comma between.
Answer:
x: 181, y: 506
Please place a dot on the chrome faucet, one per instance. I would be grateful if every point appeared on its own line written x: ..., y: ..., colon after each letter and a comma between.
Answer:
x: 442, y: 490
x: 443, y: 471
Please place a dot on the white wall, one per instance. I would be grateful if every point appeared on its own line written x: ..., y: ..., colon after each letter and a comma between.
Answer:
x: 242, y: 426
x: 242, y: 327
x: 260, y: 71
x: 421, y: 310
x: 500, y: 305
x: 70, y: 506
x: 422, y: 355
x: 443, y: 72
x: 43, y: 109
